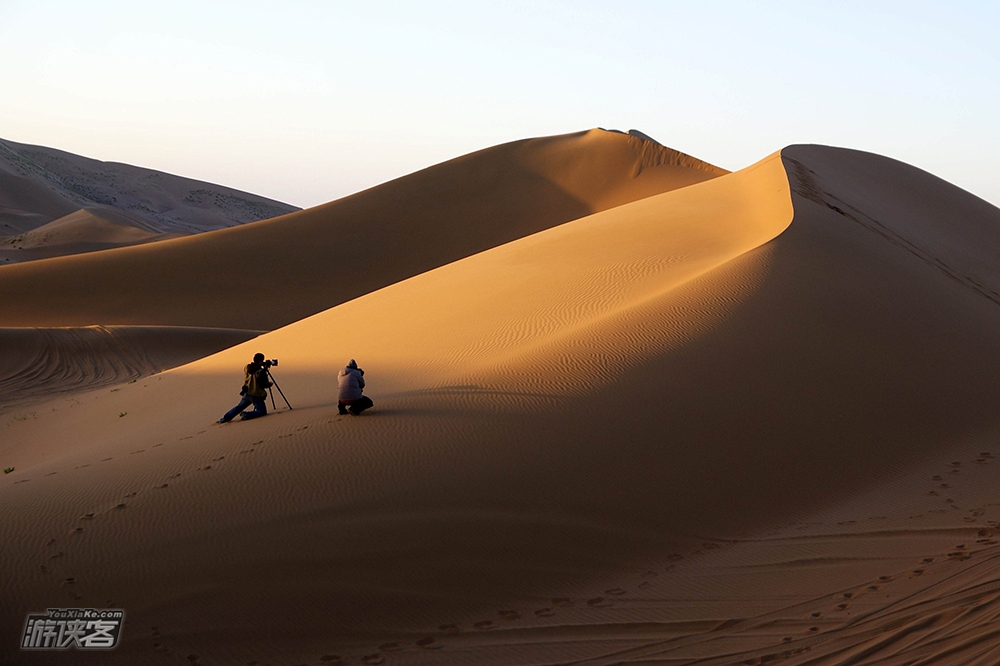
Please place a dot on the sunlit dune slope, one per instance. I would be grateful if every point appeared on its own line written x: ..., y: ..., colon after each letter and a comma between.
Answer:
x: 271, y: 273
x: 698, y: 427
x: 466, y: 362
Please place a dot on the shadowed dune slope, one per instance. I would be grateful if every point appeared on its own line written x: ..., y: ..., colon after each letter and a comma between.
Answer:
x: 40, y: 363
x: 688, y: 429
x: 271, y: 273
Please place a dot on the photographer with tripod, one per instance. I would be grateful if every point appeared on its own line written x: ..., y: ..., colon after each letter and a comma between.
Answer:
x: 254, y: 390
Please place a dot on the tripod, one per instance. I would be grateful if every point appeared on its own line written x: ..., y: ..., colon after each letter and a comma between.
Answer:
x: 270, y: 378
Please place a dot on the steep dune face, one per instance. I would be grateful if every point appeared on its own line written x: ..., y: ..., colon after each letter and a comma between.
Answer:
x: 269, y: 274
x: 484, y: 469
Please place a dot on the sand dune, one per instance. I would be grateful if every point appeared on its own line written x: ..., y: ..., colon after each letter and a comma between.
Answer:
x: 39, y: 184
x: 41, y: 363
x: 272, y: 273
x: 746, y: 420
x: 76, y: 233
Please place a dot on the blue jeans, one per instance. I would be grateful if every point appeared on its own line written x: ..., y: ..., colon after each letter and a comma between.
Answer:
x: 259, y: 408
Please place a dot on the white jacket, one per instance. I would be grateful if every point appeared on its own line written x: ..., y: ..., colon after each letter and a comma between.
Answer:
x: 349, y: 383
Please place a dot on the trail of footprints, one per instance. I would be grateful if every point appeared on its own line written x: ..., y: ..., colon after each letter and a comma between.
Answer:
x: 961, y: 552
x: 839, y: 610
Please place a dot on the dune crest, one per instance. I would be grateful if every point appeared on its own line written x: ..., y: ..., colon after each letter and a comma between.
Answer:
x: 300, y: 264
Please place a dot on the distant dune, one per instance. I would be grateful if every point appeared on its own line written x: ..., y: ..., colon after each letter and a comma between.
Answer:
x: 742, y: 418
x: 271, y: 273
x: 39, y: 185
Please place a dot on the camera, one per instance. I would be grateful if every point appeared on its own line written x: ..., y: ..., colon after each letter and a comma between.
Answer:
x: 271, y: 362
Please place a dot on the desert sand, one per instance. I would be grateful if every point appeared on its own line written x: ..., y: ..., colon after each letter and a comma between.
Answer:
x: 656, y: 417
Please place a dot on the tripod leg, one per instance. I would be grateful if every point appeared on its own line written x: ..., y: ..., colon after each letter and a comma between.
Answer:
x: 273, y: 407
x: 279, y: 389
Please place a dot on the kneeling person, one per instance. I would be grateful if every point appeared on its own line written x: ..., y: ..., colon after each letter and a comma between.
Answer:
x: 350, y: 383
x: 254, y: 391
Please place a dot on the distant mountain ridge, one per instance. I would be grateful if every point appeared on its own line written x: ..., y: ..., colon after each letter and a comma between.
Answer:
x: 39, y: 185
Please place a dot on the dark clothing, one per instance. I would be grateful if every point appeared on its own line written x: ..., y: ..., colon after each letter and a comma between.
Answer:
x: 259, y: 408
x: 255, y: 382
x: 254, y: 392
x: 355, y: 406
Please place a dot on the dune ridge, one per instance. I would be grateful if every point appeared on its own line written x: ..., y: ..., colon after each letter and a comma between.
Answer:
x: 306, y: 262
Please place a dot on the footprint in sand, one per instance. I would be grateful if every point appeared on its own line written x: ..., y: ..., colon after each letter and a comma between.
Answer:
x: 450, y: 628
x: 156, y: 445
x: 328, y: 658
x: 937, y: 477
x: 51, y: 473
x: 848, y: 595
x: 87, y: 516
x: 162, y: 487
x: 78, y: 530
x: 121, y: 506
x: 429, y: 643
x: 917, y: 572
x: 509, y: 614
x: 562, y: 602
x: 645, y: 585
x: 218, y: 459
x: 175, y: 475
x: 817, y: 614
x: 674, y: 557
x: 598, y: 602
x: 886, y: 578
x: 57, y: 555
x: 106, y: 459
x: 373, y: 659
x: 959, y: 556
x: 390, y: 647
x: 843, y: 606
x: 484, y: 624
x: 615, y: 591
x: 545, y: 612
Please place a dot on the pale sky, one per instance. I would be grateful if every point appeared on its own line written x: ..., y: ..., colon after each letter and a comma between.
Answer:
x: 306, y: 102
